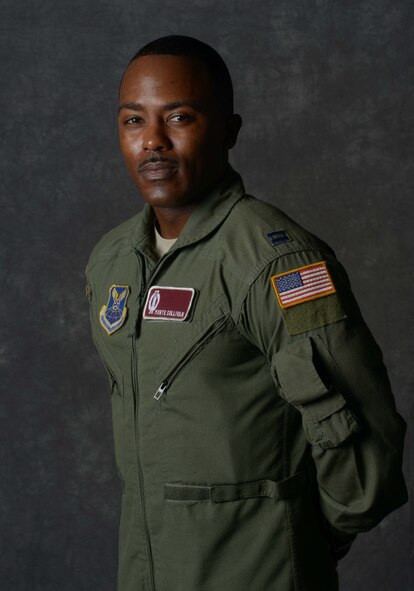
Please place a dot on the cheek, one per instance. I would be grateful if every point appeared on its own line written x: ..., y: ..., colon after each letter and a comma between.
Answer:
x: 129, y: 146
x: 197, y: 152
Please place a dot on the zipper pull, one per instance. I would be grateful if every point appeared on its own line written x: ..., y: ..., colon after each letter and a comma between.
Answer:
x: 161, y: 390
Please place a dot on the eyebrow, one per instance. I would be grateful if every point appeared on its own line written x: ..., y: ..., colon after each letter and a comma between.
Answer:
x: 167, y: 107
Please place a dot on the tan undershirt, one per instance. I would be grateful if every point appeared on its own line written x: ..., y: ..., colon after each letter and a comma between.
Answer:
x: 162, y: 245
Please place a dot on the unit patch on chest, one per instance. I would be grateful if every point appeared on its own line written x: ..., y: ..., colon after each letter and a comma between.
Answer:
x: 168, y: 303
x: 112, y: 315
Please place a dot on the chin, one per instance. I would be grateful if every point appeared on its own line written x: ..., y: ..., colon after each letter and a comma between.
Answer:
x: 154, y: 195
x: 164, y: 197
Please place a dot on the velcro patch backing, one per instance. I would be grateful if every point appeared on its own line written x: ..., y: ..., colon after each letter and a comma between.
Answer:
x: 313, y: 314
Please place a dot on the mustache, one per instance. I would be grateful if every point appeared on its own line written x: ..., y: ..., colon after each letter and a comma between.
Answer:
x: 156, y: 160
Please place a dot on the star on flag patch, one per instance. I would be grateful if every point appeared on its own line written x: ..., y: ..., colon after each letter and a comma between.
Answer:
x: 302, y: 285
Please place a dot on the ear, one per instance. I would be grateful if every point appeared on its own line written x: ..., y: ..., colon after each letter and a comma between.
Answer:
x: 233, y: 125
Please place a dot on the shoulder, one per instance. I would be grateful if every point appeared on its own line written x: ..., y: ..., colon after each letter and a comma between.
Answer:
x: 291, y: 277
x: 257, y: 234
x: 117, y: 242
x: 277, y: 227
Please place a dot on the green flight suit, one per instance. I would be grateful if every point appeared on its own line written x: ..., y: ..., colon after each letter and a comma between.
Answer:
x: 257, y: 437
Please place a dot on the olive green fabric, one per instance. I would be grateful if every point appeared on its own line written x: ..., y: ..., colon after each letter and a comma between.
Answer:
x: 327, y: 421
x: 313, y: 314
x: 273, y: 438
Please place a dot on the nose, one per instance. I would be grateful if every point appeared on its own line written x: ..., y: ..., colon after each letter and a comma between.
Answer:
x: 155, y: 137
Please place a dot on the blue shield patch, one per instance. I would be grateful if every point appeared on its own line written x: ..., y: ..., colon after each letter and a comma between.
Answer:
x: 112, y: 316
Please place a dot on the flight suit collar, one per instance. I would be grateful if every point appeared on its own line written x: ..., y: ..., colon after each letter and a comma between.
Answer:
x: 204, y: 219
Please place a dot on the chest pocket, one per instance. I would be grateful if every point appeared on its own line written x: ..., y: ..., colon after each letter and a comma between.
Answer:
x: 327, y: 421
x: 184, y: 350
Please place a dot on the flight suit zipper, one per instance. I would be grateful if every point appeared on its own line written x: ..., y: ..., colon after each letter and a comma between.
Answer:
x: 145, y: 286
x: 141, y: 299
x: 140, y: 474
x: 210, y: 331
x: 208, y: 334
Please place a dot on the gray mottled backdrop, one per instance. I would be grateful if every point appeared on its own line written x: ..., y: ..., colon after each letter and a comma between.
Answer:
x: 325, y: 88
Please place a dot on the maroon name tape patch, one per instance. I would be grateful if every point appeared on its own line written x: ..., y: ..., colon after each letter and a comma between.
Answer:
x: 168, y: 303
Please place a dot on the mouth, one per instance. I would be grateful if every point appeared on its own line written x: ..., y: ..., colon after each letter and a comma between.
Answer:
x: 156, y: 170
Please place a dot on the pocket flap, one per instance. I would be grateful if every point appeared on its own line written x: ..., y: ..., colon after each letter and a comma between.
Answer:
x: 330, y: 402
x: 295, y: 368
x: 326, y: 419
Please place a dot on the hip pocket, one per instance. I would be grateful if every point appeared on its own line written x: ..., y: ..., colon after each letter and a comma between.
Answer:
x: 229, y: 536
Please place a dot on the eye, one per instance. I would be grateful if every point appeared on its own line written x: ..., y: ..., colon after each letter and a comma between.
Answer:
x: 133, y: 120
x: 179, y: 118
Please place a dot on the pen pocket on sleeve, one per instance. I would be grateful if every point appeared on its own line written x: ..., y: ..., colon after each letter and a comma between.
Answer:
x: 326, y: 418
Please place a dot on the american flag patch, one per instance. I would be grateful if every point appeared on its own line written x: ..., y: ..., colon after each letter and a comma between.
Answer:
x: 302, y: 285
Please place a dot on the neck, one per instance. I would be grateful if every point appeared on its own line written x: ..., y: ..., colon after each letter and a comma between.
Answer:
x: 170, y: 221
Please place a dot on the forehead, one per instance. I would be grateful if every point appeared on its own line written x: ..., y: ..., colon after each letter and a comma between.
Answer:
x: 165, y: 77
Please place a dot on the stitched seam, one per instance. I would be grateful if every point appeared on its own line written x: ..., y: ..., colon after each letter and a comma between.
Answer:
x: 101, y: 258
x: 214, y: 222
x: 246, y: 338
x: 170, y: 360
x: 292, y: 547
x: 349, y: 389
x: 123, y: 468
x: 285, y: 435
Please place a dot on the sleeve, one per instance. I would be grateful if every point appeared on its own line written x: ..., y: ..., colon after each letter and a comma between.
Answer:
x: 88, y: 289
x: 326, y: 364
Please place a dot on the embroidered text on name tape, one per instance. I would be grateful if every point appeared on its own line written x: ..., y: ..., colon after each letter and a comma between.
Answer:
x: 168, y: 303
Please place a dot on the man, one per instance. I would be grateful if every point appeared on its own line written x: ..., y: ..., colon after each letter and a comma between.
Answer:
x: 255, y: 430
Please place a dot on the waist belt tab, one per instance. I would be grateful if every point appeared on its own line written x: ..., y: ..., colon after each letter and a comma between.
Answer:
x: 220, y: 493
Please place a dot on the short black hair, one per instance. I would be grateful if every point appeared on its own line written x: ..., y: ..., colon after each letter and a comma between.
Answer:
x: 183, y: 46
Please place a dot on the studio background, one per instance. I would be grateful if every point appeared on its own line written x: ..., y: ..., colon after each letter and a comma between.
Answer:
x: 325, y: 88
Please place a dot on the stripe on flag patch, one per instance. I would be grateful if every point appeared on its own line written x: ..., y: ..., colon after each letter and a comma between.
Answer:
x: 302, y: 285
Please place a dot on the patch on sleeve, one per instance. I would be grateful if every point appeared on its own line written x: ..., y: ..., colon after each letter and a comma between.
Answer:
x: 302, y: 285
x: 308, y: 287
x: 278, y: 237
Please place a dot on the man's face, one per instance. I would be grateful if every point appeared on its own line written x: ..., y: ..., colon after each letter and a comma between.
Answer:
x: 173, y: 136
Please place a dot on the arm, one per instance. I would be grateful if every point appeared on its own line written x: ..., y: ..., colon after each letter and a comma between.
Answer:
x: 326, y: 364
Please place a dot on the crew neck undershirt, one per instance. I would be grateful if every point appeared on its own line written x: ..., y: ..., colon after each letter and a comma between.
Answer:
x: 162, y: 245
